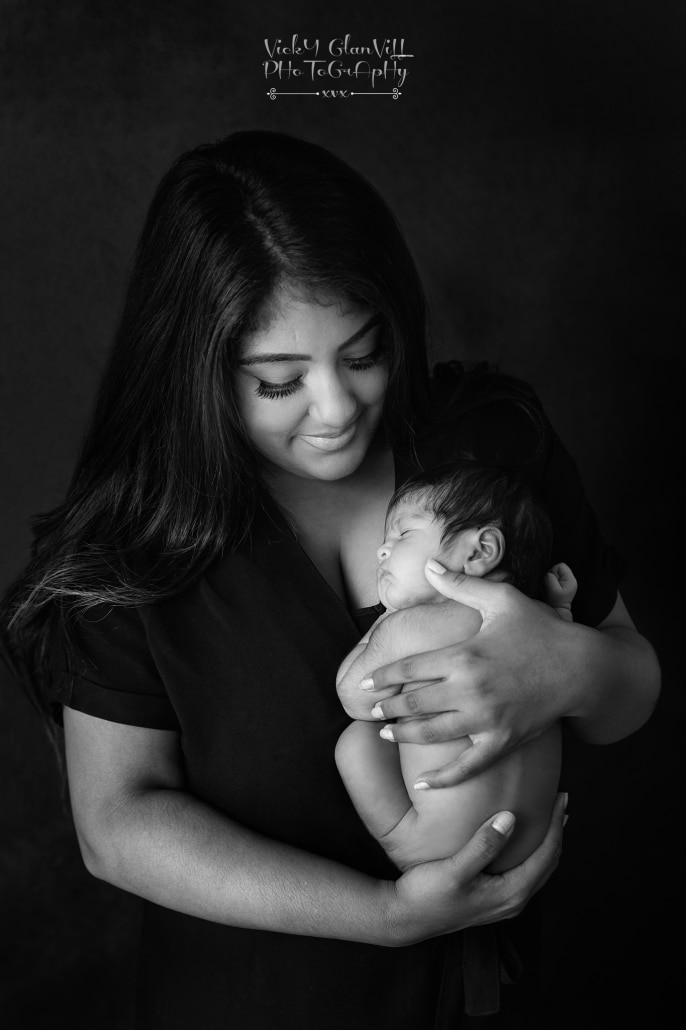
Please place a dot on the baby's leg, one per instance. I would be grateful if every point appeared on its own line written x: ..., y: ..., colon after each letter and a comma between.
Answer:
x: 370, y: 770
x: 524, y: 781
x: 559, y: 589
x: 409, y: 833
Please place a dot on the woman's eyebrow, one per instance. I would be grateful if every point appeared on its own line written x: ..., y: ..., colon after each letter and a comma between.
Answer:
x: 259, y: 359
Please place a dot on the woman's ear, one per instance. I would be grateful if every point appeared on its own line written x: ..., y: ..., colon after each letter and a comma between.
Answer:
x: 487, y: 547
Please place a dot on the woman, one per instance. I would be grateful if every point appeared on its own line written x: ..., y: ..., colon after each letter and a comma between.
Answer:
x: 190, y: 601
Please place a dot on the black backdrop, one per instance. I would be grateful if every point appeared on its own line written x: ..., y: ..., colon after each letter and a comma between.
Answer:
x: 537, y: 161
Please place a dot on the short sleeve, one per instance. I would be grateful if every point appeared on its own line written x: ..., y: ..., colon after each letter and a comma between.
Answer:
x: 103, y: 667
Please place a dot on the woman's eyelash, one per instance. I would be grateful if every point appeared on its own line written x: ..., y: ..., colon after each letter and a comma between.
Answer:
x: 368, y: 361
x: 276, y: 390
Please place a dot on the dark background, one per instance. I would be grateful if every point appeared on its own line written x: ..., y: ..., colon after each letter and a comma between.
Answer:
x: 537, y: 161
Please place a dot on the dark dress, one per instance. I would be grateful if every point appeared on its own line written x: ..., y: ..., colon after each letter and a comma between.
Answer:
x: 243, y: 666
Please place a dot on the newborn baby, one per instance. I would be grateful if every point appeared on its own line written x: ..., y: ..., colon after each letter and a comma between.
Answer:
x: 482, y: 521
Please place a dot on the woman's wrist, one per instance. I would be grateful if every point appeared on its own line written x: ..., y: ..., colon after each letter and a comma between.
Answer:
x: 401, y: 927
x: 578, y: 651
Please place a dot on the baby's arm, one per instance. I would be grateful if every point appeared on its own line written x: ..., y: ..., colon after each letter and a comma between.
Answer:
x: 413, y: 630
x: 420, y: 826
x: 395, y: 635
x: 369, y: 766
x: 356, y: 652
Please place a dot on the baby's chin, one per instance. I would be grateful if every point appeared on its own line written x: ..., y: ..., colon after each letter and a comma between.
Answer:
x: 394, y: 599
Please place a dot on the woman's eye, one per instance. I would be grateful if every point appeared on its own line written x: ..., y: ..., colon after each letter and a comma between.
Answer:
x: 367, y: 360
x: 275, y: 390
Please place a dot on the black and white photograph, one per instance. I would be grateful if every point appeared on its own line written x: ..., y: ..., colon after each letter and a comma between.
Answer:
x: 341, y: 434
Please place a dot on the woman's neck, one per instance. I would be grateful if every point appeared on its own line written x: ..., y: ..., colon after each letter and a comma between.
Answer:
x: 340, y: 523
x: 293, y: 492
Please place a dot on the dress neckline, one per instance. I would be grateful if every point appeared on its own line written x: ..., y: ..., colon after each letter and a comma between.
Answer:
x: 402, y: 468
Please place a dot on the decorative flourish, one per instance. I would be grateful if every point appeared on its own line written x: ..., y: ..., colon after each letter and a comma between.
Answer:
x: 272, y: 94
x: 328, y: 94
x: 376, y: 93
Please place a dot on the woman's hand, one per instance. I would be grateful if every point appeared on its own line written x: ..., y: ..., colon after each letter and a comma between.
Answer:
x: 500, y: 687
x: 525, y: 669
x: 440, y: 897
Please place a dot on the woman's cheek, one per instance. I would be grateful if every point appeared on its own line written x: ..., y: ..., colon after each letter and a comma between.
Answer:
x: 374, y: 389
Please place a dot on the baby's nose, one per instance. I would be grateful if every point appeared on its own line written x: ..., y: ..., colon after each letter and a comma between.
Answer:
x: 383, y: 551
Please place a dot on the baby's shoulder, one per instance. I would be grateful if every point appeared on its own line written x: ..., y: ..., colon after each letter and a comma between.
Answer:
x: 425, y: 627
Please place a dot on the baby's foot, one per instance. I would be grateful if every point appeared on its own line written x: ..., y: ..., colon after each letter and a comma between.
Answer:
x: 559, y: 588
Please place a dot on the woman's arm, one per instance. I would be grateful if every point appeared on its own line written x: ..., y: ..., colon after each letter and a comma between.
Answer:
x: 622, y: 674
x: 141, y: 830
x: 524, y: 670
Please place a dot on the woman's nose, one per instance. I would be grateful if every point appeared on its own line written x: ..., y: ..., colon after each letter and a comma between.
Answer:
x: 384, y: 551
x: 334, y: 403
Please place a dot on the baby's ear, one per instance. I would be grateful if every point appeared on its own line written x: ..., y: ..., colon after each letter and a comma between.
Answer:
x: 486, y: 552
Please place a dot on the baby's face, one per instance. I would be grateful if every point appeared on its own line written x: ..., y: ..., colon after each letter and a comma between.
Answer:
x: 412, y: 537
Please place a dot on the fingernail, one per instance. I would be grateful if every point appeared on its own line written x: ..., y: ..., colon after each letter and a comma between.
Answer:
x: 565, y: 801
x: 387, y: 733
x: 503, y: 822
x: 422, y: 785
x: 376, y: 712
x: 565, y: 821
x: 434, y: 566
x: 367, y: 684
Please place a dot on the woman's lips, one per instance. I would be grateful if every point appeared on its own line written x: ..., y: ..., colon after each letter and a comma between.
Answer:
x: 331, y: 441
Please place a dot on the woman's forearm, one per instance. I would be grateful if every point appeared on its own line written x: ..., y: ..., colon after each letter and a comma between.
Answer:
x: 174, y: 850
x: 524, y: 670
x: 619, y: 682
x: 140, y: 829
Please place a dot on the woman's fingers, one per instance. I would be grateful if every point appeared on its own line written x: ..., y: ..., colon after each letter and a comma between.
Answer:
x: 535, y: 872
x: 427, y: 667
x: 485, y: 750
x: 431, y: 699
x: 452, y: 893
x: 429, y: 729
x: 488, y: 841
x: 484, y: 595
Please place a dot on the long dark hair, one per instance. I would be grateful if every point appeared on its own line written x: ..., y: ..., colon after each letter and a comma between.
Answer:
x: 167, y: 478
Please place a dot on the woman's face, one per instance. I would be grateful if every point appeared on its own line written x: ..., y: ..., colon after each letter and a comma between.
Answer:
x: 311, y: 387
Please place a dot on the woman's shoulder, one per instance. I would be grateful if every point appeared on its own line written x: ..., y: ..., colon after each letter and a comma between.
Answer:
x: 481, y: 412
x: 457, y: 387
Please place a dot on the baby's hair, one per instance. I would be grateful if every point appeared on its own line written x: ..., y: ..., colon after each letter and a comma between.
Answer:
x: 468, y: 494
